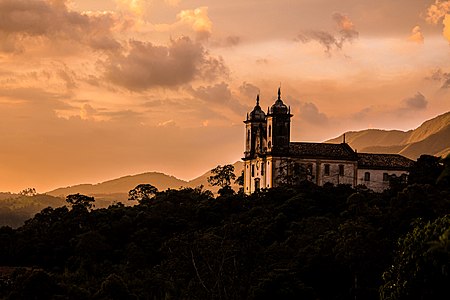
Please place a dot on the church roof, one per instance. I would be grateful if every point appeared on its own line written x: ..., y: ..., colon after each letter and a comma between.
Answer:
x: 383, y: 161
x: 321, y: 150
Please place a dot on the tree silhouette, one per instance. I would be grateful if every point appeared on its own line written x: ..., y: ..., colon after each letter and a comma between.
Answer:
x: 142, y: 193
x: 79, y: 200
x: 222, y: 176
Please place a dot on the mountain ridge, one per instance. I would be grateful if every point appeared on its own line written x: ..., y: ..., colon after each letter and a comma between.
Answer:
x: 431, y: 137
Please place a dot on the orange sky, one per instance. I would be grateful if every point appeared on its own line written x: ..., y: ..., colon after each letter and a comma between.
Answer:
x: 93, y: 90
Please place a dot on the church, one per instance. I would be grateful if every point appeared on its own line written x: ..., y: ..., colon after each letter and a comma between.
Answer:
x: 271, y: 159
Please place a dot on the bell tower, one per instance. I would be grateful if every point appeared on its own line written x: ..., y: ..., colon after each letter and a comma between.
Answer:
x: 278, y: 127
x: 255, y: 131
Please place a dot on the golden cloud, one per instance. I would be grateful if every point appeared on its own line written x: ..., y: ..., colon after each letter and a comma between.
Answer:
x: 446, y: 31
x: 198, y: 19
x: 437, y: 11
x: 416, y: 35
x: 137, y: 7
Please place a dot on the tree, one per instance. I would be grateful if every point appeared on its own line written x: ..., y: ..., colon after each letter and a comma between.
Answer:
x: 222, y: 176
x: 142, y: 193
x: 291, y: 173
x: 28, y: 192
x: 240, y: 181
x: 79, y: 200
x: 422, y: 263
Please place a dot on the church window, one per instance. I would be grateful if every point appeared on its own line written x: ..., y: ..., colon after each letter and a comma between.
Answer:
x: 270, y: 145
x: 341, y: 170
x: 367, y: 176
x: 385, y: 177
x: 326, y: 170
x: 270, y: 130
x: 262, y: 169
x: 253, y: 170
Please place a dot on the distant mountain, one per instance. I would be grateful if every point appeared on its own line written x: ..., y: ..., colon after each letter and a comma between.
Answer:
x: 432, y: 137
x: 116, y: 190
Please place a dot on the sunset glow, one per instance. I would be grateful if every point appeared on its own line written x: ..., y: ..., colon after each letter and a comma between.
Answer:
x: 93, y: 90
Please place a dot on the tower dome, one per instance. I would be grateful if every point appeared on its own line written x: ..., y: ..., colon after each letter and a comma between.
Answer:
x: 279, y: 107
x: 257, y: 114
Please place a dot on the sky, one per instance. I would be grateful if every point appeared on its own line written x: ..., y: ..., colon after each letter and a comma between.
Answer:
x: 95, y: 90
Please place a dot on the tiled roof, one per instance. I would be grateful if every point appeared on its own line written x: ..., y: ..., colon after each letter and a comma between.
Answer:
x: 383, y: 161
x: 322, y: 150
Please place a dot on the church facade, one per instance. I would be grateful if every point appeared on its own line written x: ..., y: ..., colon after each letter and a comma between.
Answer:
x: 271, y: 159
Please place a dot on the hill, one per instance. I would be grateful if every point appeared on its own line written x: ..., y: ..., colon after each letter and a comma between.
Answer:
x: 117, y: 189
x: 16, y: 209
x: 432, y: 137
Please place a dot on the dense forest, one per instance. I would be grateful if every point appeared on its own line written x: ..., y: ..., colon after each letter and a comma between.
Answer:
x: 299, y: 241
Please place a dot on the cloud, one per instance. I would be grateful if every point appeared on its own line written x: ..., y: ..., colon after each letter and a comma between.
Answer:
x: 416, y: 102
x: 198, y: 20
x: 346, y: 27
x: 416, y: 35
x: 310, y: 113
x: 347, y: 33
x: 437, y: 11
x: 441, y: 77
x: 219, y: 94
x: 147, y: 65
x: 446, y: 31
x: 22, y: 20
x: 229, y: 41
x: 440, y: 10
x: 249, y: 90
x: 136, y: 7
x: 87, y: 112
x: 168, y: 123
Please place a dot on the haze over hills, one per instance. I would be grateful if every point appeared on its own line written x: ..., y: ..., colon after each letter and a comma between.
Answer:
x: 432, y: 137
x: 117, y: 189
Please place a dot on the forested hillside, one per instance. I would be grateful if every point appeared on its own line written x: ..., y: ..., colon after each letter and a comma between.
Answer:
x: 295, y: 242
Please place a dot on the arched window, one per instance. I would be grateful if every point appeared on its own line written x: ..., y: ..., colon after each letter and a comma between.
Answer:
x: 270, y: 130
x: 270, y: 145
x: 367, y: 176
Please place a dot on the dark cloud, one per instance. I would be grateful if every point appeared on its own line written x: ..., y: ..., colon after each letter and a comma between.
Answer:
x: 416, y: 102
x: 147, y: 65
x: 232, y: 40
x: 346, y: 33
x: 442, y: 77
x: 22, y: 19
x: 362, y: 114
x: 310, y: 113
x: 219, y: 94
x: 249, y: 90
x: 229, y: 41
